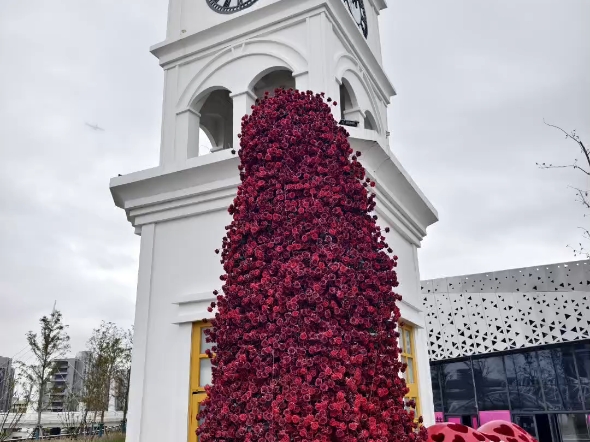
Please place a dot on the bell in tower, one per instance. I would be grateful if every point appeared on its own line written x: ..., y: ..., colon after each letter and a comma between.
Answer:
x: 219, y: 56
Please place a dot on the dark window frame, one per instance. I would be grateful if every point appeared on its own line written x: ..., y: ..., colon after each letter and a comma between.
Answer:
x: 515, y: 410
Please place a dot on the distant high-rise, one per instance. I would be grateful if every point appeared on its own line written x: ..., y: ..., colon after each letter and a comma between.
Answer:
x: 6, y: 383
x: 66, y: 383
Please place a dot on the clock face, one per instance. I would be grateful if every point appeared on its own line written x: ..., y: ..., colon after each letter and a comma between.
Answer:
x: 357, y: 9
x: 229, y: 6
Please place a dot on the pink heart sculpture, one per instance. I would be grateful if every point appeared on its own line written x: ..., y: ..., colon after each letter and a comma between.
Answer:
x: 451, y: 432
x: 502, y: 431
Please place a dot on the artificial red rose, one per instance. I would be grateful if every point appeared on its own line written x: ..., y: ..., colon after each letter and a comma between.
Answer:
x: 305, y: 330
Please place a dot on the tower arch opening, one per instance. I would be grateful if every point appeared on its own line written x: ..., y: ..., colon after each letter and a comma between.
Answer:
x: 348, y: 101
x: 271, y: 79
x: 216, y: 121
x: 205, y: 142
x: 349, y: 104
x: 369, y: 121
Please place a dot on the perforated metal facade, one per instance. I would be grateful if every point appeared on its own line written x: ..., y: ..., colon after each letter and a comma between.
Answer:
x: 497, y: 311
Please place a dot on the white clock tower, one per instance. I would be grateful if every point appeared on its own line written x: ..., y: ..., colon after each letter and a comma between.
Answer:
x: 218, y: 56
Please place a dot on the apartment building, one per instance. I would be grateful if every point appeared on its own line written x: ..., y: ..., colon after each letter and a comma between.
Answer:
x: 6, y: 383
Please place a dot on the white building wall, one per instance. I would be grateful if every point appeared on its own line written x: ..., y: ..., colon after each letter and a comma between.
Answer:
x: 498, y: 311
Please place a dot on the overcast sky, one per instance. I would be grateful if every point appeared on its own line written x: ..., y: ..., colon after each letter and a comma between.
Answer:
x: 474, y: 80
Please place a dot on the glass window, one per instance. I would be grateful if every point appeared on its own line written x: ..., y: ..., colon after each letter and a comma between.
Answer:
x: 527, y: 423
x: 410, y: 371
x: 201, y: 419
x: 201, y: 375
x: 490, y: 383
x: 582, y: 352
x: 204, y: 344
x: 549, y: 380
x: 522, y: 372
x: 436, y: 393
x: 407, y: 406
x: 205, y: 372
x: 567, y: 378
x: 408, y: 357
x: 574, y: 427
x: 408, y: 342
x: 457, y: 387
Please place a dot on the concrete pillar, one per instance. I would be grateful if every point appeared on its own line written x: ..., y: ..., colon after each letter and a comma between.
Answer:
x: 242, y: 104
x: 301, y: 80
x: 186, y: 143
x: 167, y: 154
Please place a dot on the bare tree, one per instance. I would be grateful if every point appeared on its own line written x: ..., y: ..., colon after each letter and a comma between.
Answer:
x: 47, y: 347
x: 582, y: 195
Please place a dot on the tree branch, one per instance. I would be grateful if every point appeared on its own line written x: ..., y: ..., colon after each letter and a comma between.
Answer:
x: 583, y: 197
x: 576, y: 138
x: 573, y: 166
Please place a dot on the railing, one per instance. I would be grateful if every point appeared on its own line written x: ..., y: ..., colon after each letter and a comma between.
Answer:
x: 100, y: 432
x: 59, y: 419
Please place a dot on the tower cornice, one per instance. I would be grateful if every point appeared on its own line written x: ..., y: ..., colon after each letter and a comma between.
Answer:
x: 209, y: 183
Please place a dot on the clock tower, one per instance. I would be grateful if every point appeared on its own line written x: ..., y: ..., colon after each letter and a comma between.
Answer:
x: 218, y: 57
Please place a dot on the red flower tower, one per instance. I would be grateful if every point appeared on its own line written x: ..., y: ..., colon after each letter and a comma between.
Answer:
x: 306, y: 341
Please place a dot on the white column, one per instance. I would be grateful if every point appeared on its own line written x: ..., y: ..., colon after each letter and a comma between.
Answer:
x: 179, y: 387
x: 424, y: 379
x: 242, y: 104
x: 317, y: 30
x: 186, y: 142
x: 422, y: 358
x: 140, y: 341
x: 301, y: 80
x: 169, y: 116
x: 321, y: 52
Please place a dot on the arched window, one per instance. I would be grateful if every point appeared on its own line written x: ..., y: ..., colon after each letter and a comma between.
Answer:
x: 216, y: 122
x: 205, y: 143
x: 348, y: 101
x: 281, y: 78
x: 349, y: 107
x: 370, y: 122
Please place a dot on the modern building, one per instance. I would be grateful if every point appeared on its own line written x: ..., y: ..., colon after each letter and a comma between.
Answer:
x: 218, y: 57
x: 513, y: 345
x: 6, y: 383
x: 66, y: 384
x: 19, y: 406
